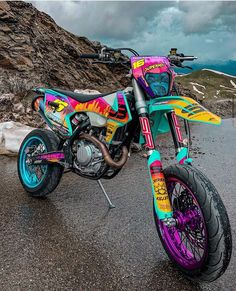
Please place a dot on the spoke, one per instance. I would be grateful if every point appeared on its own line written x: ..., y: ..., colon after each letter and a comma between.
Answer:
x: 191, y: 241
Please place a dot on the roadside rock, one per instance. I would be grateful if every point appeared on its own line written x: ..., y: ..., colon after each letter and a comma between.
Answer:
x: 11, y: 136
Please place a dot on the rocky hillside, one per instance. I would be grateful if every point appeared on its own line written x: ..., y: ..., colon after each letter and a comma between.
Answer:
x: 34, y: 50
x: 213, y: 89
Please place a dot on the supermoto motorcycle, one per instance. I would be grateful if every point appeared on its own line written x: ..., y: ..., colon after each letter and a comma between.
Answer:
x: 91, y: 135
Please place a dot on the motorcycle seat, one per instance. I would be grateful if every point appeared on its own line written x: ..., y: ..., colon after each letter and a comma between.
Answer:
x: 80, y: 97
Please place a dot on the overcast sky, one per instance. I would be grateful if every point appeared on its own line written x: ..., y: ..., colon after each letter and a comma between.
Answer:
x: 204, y: 29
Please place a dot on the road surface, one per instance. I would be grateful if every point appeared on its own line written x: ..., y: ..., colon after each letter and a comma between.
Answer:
x: 70, y: 241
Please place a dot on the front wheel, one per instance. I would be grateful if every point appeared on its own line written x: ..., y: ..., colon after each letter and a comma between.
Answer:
x: 200, y: 244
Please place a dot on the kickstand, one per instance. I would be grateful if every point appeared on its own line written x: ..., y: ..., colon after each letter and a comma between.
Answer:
x: 105, y: 193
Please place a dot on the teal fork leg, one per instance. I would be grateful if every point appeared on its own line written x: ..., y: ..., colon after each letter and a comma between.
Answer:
x: 161, y: 198
x: 182, y: 156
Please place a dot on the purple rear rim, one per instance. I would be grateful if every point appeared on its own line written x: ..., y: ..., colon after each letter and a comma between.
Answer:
x: 186, y: 242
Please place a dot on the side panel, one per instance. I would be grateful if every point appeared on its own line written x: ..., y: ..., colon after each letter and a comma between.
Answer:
x: 58, y: 117
x: 113, y: 111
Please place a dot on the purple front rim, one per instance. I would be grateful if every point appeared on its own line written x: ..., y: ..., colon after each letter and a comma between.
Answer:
x: 186, y: 243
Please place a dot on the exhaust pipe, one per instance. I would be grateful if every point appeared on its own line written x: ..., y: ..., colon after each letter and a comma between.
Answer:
x: 106, y: 155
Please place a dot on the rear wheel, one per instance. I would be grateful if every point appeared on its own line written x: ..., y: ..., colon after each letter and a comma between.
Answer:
x: 38, y: 180
x: 200, y: 244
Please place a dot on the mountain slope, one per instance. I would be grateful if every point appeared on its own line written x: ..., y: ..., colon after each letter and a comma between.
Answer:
x: 215, y: 90
x: 209, y: 84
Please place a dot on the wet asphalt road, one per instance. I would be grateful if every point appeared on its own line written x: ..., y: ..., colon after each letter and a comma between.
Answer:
x: 70, y: 241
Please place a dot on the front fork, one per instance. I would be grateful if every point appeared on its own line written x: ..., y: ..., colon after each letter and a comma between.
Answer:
x: 161, y: 198
x: 162, y: 203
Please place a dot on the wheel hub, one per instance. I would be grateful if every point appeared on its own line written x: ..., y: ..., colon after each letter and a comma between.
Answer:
x: 189, y: 218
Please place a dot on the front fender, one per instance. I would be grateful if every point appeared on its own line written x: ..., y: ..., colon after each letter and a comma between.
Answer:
x: 184, y: 107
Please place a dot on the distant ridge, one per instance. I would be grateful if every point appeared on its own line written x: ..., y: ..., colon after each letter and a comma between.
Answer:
x: 220, y: 73
x: 227, y: 67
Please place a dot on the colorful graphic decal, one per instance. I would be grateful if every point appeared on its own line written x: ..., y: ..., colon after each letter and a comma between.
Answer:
x: 121, y: 112
x: 184, y: 107
x: 61, y: 104
x: 154, y: 65
x: 146, y: 131
x: 182, y: 157
x: 51, y: 157
x: 177, y: 127
x: 111, y: 130
x: 57, y: 116
x: 193, y: 111
x: 99, y: 106
x: 38, y: 103
x: 160, y: 190
x: 117, y: 114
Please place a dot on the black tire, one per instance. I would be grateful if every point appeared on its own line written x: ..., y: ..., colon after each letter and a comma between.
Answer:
x: 217, y: 224
x: 54, y: 171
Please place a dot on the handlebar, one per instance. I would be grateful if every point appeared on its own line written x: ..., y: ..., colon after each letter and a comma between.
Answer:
x: 89, y: 56
x: 181, y: 58
x: 176, y: 60
x: 109, y: 55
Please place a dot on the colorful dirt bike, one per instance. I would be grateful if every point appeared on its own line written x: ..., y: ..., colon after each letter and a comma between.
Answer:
x: 91, y: 135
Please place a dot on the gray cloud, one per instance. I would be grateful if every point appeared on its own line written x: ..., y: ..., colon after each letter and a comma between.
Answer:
x: 118, y: 20
x: 201, y: 17
x: 152, y: 27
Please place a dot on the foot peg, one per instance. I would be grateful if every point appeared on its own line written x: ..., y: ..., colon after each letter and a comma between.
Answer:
x: 111, y: 205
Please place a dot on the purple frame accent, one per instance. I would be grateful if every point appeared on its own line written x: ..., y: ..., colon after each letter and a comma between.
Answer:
x: 51, y: 157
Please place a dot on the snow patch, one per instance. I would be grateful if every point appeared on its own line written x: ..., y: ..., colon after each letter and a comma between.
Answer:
x: 233, y: 84
x: 219, y: 73
x: 228, y: 89
x: 12, y: 135
x: 183, y: 75
x: 195, y: 89
x: 198, y: 85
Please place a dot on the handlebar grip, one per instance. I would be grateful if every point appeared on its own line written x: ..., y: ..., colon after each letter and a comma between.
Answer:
x: 89, y: 56
x: 188, y: 58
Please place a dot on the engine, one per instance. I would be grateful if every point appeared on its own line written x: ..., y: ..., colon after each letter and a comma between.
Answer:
x: 88, y: 158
